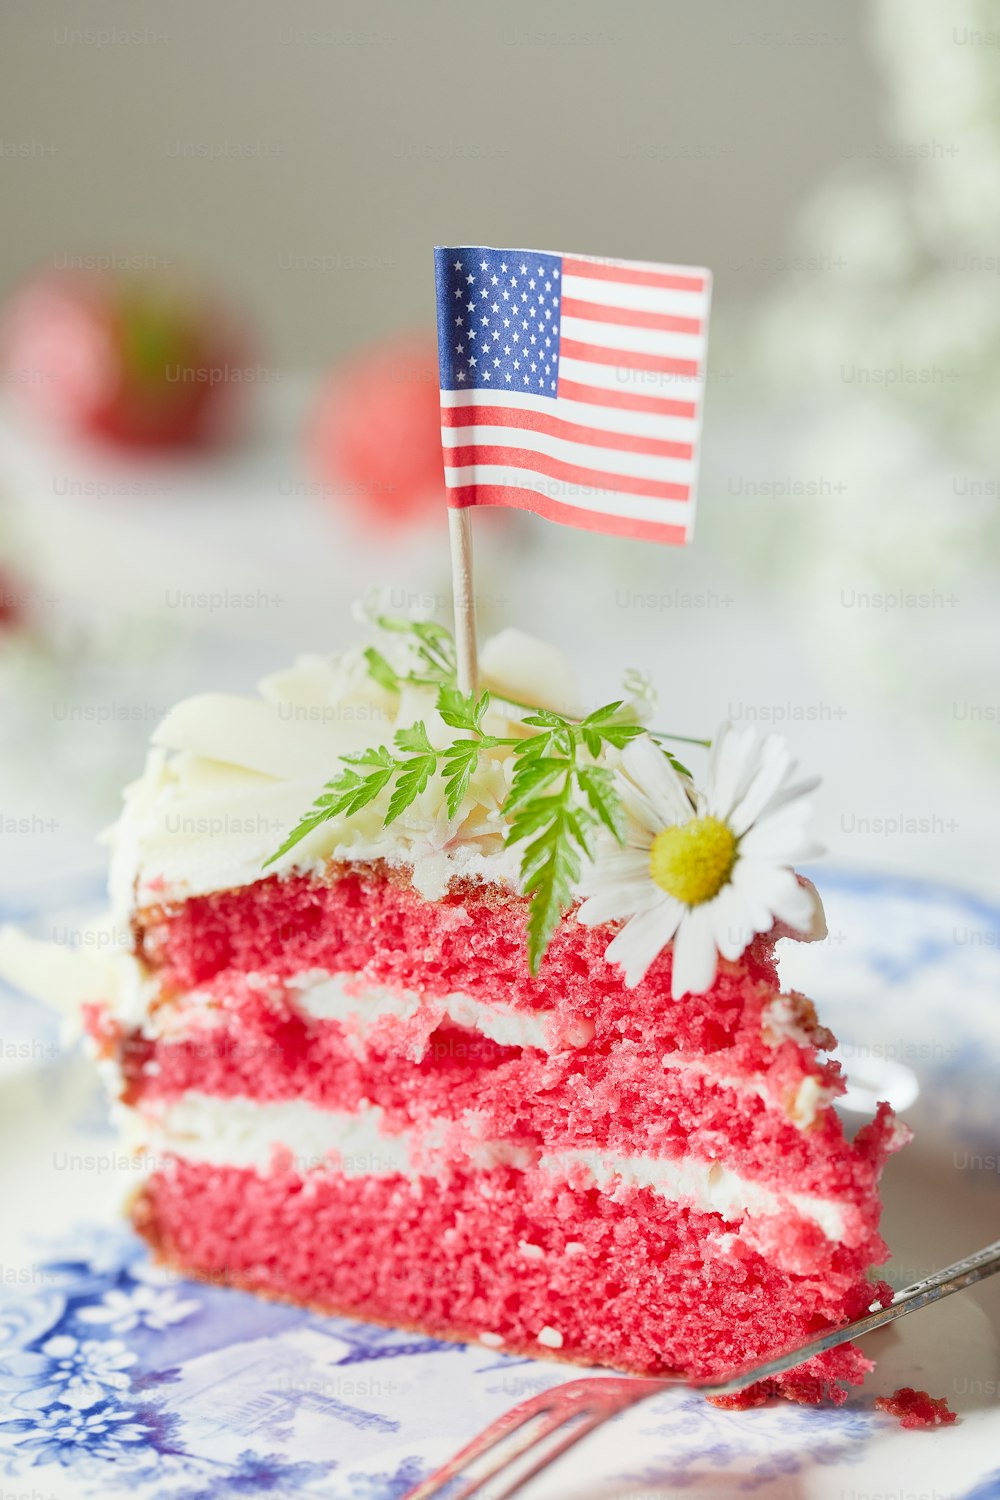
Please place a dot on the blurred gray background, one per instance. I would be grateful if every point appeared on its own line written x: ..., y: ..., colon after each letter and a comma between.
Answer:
x: 309, y: 155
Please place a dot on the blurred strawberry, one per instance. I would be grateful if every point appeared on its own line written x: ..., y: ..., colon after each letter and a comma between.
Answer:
x: 11, y: 602
x: 133, y: 361
x: 374, y: 439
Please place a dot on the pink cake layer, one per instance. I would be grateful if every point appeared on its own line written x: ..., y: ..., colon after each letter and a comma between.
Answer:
x: 240, y: 946
x: 623, y: 1100
x: 635, y: 1274
x: 369, y: 920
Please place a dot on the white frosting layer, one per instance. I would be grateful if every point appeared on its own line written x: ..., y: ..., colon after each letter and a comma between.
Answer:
x: 356, y: 1004
x: 241, y: 1132
x: 230, y: 776
x: 709, y: 1186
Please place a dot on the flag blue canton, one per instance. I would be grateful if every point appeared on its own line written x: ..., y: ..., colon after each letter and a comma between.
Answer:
x: 498, y: 319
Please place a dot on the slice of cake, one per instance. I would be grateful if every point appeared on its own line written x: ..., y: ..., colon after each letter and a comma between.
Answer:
x: 496, y: 1047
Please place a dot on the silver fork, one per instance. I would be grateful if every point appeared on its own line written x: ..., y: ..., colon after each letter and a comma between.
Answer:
x: 531, y: 1436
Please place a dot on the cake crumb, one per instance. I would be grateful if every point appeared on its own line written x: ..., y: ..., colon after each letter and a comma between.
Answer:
x: 551, y: 1338
x: 809, y: 1098
x: 916, y: 1408
x: 530, y: 1251
x: 580, y: 1034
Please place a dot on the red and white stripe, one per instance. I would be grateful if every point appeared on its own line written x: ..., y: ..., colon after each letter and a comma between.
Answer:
x: 617, y: 450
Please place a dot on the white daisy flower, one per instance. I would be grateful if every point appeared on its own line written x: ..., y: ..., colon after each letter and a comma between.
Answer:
x: 705, y: 869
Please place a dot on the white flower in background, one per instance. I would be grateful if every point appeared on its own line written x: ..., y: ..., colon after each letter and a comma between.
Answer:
x: 375, y: 602
x: 706, y: 869
x: 641, y: 693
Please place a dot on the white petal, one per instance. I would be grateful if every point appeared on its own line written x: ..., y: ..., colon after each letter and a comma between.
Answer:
x: 746, y: 880
x: 637, y: 835
x: 776, y: 891
x: 791, y: 793
x: 656, y: 779
x: 774, y: 764
x: 793, y: 903
x: 781, y: 836
x: 730, y: 769
x: 616, y: 866
x: 646, y: 935
x: 731, y: 922
x: 616, y: 902
x: 644, y: 820
x: 695, y: 955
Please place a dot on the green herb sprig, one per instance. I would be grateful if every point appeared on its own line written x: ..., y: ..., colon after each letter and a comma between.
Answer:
x: 556, y: 800
x: 559, y: 796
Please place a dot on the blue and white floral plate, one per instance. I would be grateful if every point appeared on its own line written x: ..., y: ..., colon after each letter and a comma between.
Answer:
x: 116, y: 1378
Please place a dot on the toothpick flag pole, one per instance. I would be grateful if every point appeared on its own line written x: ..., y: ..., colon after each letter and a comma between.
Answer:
x: 460, y: 533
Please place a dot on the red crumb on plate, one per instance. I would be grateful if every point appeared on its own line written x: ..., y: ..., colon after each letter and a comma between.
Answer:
x: 915, y: 1408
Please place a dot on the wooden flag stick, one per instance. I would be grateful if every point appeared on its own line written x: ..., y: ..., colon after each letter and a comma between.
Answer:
x: 460, y: 533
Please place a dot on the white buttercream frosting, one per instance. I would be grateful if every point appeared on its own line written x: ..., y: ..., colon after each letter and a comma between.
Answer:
x: 229, y: 776
x: 710, y: 1187
x: 242, y: 1132
x: 358, y: 1004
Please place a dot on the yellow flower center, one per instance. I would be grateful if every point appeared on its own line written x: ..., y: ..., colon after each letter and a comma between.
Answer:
x: 693, y: 861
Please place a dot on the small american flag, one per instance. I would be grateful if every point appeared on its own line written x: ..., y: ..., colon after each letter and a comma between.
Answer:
x: 572, y: 386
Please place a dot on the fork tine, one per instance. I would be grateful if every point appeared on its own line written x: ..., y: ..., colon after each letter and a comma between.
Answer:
x: 498, y: 1433
x: 579, y: 1406
x: 595, y: 1418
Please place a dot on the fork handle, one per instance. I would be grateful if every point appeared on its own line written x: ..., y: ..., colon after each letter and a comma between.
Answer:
x: 953, y: 1278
